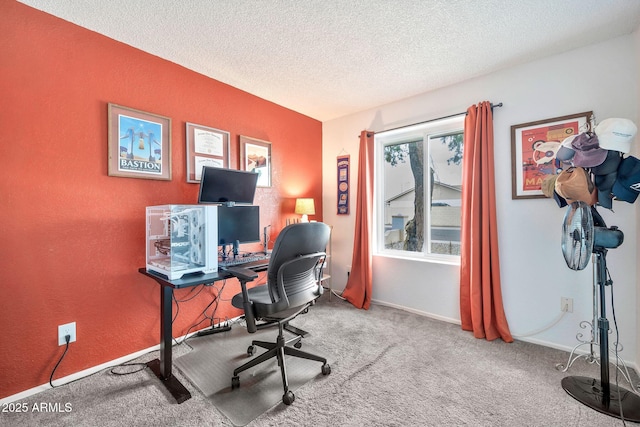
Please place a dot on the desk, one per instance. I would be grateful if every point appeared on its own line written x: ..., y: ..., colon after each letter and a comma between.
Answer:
x: 162, y: 366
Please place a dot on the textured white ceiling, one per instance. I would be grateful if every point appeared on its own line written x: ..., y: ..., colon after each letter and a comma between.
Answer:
x: 330, y: 58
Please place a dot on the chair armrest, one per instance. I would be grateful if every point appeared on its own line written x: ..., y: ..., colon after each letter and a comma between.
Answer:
x: 245, y: 275
x: 242, y: 273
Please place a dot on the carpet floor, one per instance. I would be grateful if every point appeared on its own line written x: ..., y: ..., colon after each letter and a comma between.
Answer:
x: 389, y: 368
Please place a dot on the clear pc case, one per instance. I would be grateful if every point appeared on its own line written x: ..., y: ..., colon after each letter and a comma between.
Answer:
x: 182, y: 239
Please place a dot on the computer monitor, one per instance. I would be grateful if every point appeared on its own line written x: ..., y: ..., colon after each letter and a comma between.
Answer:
x: 227, y: 186
x: 241, y: 223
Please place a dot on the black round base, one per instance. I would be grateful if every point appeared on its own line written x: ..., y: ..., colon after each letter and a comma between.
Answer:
x: 589, y: 392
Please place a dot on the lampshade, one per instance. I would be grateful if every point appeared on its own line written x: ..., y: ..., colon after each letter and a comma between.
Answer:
x: 305, y: 207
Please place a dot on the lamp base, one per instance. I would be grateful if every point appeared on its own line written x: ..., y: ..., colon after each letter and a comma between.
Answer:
x: 304, y: 218
x: 621, y: 403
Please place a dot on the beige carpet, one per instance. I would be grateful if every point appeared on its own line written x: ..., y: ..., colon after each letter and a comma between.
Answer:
x: 390, y: 368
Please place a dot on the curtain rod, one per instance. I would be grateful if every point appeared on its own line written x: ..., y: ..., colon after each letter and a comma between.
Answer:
x: 433, y: 120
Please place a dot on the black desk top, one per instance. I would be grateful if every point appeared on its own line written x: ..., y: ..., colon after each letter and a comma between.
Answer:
x: 187, y: 280
x: 195, y: 279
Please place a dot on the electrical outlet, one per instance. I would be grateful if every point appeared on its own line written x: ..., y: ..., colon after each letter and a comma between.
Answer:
x: 67, y: 329
x: 566, y: 304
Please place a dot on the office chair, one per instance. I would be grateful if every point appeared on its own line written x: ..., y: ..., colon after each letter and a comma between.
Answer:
x: 293, y: 285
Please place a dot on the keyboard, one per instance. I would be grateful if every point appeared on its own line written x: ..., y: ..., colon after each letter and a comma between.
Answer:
x: 252, y: 261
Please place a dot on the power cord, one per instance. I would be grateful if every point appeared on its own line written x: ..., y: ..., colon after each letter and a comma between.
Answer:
x: 141, y: 367
x: 67, y: 339
x: 544, y: 328
x: 338, y: 295
x: 211, y: 318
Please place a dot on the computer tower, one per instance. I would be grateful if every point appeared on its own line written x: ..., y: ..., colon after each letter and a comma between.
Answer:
x: 181, y: 239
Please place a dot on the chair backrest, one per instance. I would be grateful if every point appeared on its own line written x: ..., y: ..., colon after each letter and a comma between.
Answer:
x: 292, y: 273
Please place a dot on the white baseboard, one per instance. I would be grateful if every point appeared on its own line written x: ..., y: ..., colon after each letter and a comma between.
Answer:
x: 582, y: 350
x: 418, y: 312
x: 529, y: 340
x: 91, y: 371
x: 77, y: 375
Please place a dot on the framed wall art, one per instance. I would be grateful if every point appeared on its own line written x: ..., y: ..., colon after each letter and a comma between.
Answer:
x: 255, y: 156
x: 533, y: 151
x: 139, y: 144
x: 205, y: 147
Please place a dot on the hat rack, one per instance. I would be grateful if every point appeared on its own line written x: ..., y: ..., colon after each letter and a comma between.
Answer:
x: 592, y: 345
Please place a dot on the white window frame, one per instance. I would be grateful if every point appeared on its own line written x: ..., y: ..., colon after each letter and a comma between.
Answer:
x: 425, y: 130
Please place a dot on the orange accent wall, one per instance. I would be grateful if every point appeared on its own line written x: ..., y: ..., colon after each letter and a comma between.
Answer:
x: 72, y: 238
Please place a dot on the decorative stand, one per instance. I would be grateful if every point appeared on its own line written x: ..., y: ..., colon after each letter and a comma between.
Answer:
x: 592, y: 342
x: 600, y: 394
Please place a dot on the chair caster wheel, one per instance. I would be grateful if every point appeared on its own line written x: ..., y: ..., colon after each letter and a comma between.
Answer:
x: 326, y: 369
x: 235, y: 383
x: 251, y: 350
x: 298, y: 344
x: 288, y: 398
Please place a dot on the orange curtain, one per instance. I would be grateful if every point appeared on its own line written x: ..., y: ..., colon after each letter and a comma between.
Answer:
x: 481, y: 309
x: 358, y: 289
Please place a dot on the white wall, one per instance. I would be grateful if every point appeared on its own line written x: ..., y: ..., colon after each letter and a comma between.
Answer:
x: 602, y: 78
x: 637, y: 153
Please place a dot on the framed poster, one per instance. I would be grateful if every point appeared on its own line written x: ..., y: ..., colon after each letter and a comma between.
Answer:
x: 205, y: 147
x: 533, y: 151
x: 139, y: 144
x: 255, y: 156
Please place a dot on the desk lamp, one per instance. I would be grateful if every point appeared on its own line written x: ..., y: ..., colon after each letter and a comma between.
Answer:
x: 305, y: 207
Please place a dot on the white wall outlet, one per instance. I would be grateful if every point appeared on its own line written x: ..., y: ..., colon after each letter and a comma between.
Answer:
x: 566, y: 304
x: 67, y: 329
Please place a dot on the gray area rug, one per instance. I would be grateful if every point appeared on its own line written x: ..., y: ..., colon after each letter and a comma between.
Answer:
x: 390, y: 368
x: 209, y: 366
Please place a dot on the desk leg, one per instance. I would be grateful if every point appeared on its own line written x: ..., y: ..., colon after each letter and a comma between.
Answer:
x: 162, y: 367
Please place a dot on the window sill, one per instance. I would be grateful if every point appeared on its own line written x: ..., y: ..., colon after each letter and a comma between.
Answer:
x: 434, y: 259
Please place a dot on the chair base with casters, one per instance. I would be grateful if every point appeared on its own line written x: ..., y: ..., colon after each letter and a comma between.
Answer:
x: 293, y: 285
x: 279, y: 349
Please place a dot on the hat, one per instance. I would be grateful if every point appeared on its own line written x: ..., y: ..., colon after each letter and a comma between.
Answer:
x: 627, y: 185
x: 616, y: 134
x: 574, y: 184
x: 588, y: 151
x: 609, y: 165
x: 549, y: 190
x: 604, y: 183
x: 566, y: 152
x: 545, y: 152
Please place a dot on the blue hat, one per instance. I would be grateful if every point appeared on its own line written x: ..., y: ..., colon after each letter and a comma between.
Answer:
x: 604, y: 183
x: 566, y: 152
x: 627, y: 185
x: 610, y: 164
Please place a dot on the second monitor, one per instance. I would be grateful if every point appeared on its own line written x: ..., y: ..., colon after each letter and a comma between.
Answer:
x: 227, y: 186
x: 238, y: 223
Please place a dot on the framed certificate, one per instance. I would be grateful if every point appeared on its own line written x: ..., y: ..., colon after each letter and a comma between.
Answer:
x: 205, y: 147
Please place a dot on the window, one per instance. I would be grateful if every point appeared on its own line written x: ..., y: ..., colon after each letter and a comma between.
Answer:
x: 418, y: 181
